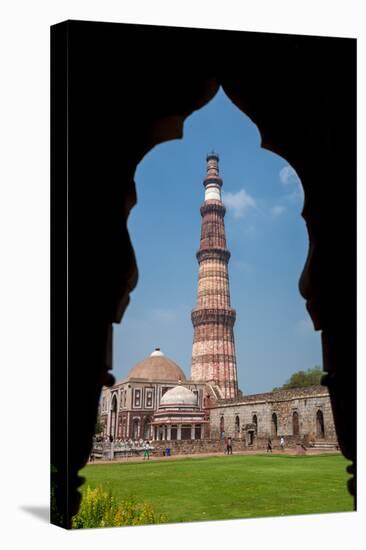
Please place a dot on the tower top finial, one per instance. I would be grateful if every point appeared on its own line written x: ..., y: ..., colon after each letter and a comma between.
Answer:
x: 213, y: 155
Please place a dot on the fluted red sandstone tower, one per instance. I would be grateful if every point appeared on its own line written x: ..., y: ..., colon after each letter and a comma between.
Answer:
x: 213, y: 354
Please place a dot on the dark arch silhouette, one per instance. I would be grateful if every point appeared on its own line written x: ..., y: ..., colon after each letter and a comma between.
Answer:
x: 320, y: 430
x: 136, y: 428
x: 295, y: 423
x: 222, y: 426
x: 114, y: 416
x: 274, y: 425
x: 121, y: 106
x: 255, y: 422
x: 237, y: 424
x: 147, y: 428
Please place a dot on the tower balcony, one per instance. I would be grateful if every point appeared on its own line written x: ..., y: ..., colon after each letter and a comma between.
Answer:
x: 213, y: 254
x: 219, y: 316
x: 212, y: 179
x: 213, y: 206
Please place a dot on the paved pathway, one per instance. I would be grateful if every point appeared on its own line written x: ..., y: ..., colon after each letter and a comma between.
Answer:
x: 157, y: 457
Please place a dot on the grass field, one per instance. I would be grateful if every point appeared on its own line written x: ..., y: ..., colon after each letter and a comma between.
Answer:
x: 229, y: 487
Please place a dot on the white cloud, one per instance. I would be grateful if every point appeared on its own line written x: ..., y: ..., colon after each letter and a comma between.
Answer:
x: 277, y: 211
x: 239, y: 203
x: 288, y: 175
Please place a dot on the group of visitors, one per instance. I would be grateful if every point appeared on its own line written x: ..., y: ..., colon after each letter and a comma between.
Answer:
x: 108, y: 442
x: 269, y: 444
x: 229, y: 445
x: 129, y: 443
x: 146, y: 446
x: 120, y: 442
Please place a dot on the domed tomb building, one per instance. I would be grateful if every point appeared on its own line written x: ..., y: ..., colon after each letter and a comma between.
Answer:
x: 128, y: 409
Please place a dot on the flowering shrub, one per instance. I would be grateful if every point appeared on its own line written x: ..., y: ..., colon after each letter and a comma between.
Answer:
x: 99, y: 508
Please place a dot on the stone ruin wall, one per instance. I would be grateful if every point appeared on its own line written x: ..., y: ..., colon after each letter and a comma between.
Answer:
x: 187, y: 447
x: 210, y: 446
x: 305, y: 401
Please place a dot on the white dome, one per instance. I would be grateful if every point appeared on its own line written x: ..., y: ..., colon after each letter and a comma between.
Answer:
x: 157, y: 353
x: 180, y: 395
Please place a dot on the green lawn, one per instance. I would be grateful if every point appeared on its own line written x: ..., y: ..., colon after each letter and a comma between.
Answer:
x: 229, y: 487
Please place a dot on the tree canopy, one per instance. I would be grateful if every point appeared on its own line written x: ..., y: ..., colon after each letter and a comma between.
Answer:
x: 99, y: 425
x: 302, y: 379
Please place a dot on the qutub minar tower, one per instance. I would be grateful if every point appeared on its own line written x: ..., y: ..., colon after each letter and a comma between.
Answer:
x: 213, y: 353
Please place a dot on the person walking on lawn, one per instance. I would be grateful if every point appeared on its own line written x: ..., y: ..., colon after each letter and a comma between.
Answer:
x: 229, y: 446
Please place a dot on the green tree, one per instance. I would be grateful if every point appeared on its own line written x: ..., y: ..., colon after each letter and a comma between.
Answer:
x: 98, y: 425
x: 302, y: 379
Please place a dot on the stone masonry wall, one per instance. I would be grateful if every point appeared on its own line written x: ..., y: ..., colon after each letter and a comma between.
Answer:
x: 306, y: 402
x: 187, y: 447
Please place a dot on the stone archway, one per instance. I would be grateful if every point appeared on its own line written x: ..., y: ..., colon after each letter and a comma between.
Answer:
x: 237, y: 426
x: 295, y: 423
x: 147, y: 428
x: 113, y: 421
x: 274, y: 425
x: 116, y: 119
x: 135, y: 428
x: 320, y: 429
x: 222, y: 427
x: 255, y: 422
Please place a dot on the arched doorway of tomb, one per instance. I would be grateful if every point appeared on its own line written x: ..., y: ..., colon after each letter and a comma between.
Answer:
x: 237, y: 426
x: 274, y: 425
x: 320, y: 432
x: 295, y: 423
x: 147, y: 428
x: 222, y: 427
x: 161, y: 433
x: 135, y: 428
x: 113, y: 424
x: 255, y: 422
x: 119, y: 431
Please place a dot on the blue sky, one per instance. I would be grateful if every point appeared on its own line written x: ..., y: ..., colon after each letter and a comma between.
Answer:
x: 266, y: 236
